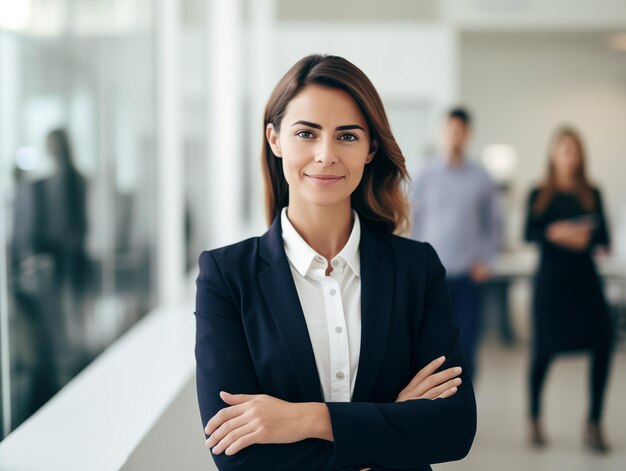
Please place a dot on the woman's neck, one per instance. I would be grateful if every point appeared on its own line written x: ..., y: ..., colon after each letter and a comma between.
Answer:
x: 325, y: 228
x: 565, y: 182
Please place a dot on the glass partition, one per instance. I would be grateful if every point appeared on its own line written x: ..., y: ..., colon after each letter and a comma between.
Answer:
x: 77, y: 175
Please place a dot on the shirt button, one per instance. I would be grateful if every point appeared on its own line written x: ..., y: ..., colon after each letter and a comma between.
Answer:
x: 340, y: 376
x: 332, y: 292
x: 319, y: 259
x: 335, y: 263
x: 338, y: 330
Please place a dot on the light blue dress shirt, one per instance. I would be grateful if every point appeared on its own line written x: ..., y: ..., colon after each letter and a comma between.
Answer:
x: 456, y: 209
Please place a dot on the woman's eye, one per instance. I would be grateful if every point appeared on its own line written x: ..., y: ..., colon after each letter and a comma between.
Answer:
x: 348, y: 137
x: 305, y: 134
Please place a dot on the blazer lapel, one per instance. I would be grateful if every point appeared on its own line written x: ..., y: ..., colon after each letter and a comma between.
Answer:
x: 281, y: 296
x: 377, y: 285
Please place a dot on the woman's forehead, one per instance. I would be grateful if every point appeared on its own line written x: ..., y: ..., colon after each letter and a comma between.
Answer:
x: 325, y: 106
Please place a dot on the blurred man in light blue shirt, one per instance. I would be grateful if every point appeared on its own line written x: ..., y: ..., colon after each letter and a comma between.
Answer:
x: 455, y: 208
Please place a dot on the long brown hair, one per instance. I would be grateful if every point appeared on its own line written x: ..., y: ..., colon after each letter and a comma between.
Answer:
x: 583, y: 189
x: 379, y: 199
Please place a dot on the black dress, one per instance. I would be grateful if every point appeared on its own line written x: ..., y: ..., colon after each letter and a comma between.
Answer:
x: 569, y: 308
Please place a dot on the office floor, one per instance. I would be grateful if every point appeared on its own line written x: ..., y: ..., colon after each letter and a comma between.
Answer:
x: 501, y: 395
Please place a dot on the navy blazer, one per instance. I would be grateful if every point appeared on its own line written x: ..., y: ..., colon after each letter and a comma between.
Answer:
x: 252, y: 338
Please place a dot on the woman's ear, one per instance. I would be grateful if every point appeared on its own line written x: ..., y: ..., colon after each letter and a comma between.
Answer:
x: 272, y: 138
x: 373, y: 150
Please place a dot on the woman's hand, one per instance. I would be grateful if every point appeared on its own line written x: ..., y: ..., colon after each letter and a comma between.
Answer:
x: 430, y: 385
x: 573, y: 235
x: 259, y: 418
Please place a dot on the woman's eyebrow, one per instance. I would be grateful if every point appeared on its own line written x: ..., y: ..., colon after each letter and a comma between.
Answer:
x: 345, y: 127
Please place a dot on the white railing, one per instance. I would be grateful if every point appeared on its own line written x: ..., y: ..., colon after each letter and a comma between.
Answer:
x: 100, y: 418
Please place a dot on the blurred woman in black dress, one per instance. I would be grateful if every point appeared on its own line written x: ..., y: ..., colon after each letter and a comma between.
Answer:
x: 565, y: 217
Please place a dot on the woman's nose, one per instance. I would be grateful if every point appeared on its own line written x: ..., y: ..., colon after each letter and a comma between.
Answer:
x: 326, y: 153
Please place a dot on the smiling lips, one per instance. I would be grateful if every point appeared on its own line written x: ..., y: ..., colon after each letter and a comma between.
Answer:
x: 322, y: 179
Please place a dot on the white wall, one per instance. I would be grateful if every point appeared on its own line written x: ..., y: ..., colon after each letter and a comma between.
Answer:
x: 501, y: 15
x: 521, y: 86
x: 402, y: 60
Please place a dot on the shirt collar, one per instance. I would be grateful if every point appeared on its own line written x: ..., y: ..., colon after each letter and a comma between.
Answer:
x: 302, y: 255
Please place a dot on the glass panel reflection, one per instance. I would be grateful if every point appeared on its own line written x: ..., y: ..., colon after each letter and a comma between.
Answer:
x: 77, y: 158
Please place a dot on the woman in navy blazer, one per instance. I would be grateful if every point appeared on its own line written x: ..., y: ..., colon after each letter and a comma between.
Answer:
x: 330, y: 157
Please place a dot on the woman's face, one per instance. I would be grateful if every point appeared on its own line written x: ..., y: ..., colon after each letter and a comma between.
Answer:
x: 324, y: 144
x: 566, y: 157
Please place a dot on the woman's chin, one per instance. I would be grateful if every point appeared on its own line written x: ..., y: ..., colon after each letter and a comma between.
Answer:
x: 327, y: 201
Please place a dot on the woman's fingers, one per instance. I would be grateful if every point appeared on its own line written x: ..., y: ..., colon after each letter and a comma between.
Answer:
x: 439, y: 378
x: 234, y: 399
x: 448, y: 393
x: 222, y: 416
x: 243, y: 442
x: 426, y: 372
x: 232, y: 437
x: 224, y: 429
x: 439, y: 391
x: 436, y: 391
x: 426, y: 380
x: 438, y: 383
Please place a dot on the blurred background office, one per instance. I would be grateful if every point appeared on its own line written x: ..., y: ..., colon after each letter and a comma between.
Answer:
x: 130, y: 133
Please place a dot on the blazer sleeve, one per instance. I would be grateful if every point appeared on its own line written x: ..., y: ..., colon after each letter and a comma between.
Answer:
x: 223, y: 363
x: 416, y: 432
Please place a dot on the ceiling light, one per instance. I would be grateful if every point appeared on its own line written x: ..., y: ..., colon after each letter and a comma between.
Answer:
x: 15, y: 14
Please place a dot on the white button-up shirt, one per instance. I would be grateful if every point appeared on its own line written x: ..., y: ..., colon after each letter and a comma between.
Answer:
x: 331, y: 306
